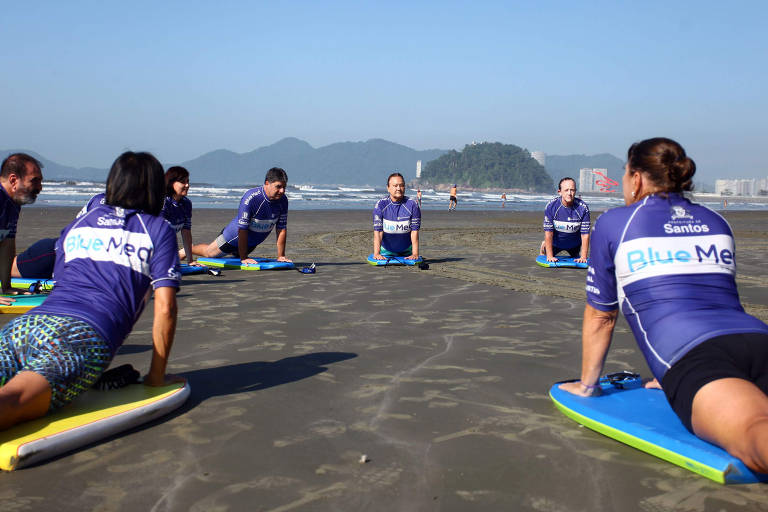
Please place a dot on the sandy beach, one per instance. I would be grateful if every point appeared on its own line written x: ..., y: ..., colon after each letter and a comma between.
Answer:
x: 439, y: 377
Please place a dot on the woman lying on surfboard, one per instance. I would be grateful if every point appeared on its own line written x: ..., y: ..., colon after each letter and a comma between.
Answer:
x: 106, y: 261
x: 177, y: 209
x: 669, y: 264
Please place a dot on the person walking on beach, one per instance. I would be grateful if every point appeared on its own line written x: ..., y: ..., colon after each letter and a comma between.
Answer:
x: 21, y: 180
x: 418, y: 196
x: 669, y: 265
x: 261, y: 209
x: 452, y: 201
x: 566, y: 224
x: 59, y: 349
x: 396, y: 223
x: 503, y: 199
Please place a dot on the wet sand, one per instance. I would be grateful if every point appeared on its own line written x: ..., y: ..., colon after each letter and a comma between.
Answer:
x: 438, y: 376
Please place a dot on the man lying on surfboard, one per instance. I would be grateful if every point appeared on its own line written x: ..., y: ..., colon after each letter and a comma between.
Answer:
x: 669, y: 265
x: 396, y: 222
x: 261, y: 209
x: 106, y: 261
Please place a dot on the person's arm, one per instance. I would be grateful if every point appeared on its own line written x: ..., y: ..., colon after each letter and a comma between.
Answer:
x: 282, y: 237
x: 548, y: 237
x: 596, y: 333
x: 7, y: 252
x: 414, y: 246
x: 584, y: 249
x: 242, y: 247
x: 186, y: 241
x: 377, y: 237
x: 163, y: 331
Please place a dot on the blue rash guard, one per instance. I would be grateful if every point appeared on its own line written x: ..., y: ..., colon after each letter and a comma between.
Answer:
x: 396, y: 220
x: 670, y: 266
x: 97, y: 200
x: 105, y: 263
x: 258, y: 215
x: 567, y: 223
x: 178, y: 213
x: 9, y: 215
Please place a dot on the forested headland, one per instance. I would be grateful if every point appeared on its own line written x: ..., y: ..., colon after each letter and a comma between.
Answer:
x: 488, y: 165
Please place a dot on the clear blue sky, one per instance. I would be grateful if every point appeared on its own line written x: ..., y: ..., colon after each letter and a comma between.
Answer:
x: 84, y: 80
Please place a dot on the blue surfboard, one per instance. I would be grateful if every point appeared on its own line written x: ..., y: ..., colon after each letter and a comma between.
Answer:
x: 22, y: 303
x: 235, y: 263
x: 643, y: 419
x: 29, y: 284
x: 393, y: 260
x: 188, y: 270
x: 562, y: 262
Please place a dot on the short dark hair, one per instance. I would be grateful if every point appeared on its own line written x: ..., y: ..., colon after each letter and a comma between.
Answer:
x: 172, y: 175
x: 664, y: 161
x: 566, y: 179
x: 16, y: 163
x: 136, y: 181
x: 393, y: 175
x: 276, y: 174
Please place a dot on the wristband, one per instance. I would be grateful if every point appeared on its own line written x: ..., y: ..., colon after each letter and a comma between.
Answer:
x: 594, y: 386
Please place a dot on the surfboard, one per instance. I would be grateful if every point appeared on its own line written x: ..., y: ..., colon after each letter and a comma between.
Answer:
x: 234, y: 263
x: 28, y: 284
x: 562, y: 262
x: 393, y: 260
x: 90, y: 417
x: 23, y: 303
x: 188, y: 270
x: 643, y: 419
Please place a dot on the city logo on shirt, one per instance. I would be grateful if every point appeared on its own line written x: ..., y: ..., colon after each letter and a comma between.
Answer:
x: 678, y: 212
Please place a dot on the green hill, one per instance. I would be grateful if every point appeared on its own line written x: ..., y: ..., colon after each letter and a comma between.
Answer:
x: 488, y: 165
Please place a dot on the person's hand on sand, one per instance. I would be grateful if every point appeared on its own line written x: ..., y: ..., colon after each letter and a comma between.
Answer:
x: 577, y: 388
x: 378, y: 257
x: 165, y: 380
x: 283, y: 258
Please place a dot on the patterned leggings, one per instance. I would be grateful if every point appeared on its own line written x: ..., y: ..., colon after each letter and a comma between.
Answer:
x: 68, y: 352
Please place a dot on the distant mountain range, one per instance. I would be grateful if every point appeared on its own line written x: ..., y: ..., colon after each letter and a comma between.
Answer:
x: 343, y: 163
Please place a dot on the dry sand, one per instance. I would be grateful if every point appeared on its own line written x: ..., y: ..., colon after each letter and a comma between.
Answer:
x: 438, y: 376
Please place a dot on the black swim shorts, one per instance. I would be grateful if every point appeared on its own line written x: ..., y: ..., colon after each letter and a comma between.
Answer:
x: 741, y: 356
x: 453, y: 198
x: 37, y: 262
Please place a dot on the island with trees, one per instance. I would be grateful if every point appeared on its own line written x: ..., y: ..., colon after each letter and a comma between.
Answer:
x: 488, y: 165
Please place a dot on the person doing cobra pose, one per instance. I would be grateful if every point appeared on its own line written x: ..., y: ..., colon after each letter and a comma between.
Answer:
x: 566, y: 224
x: 670, y: 266
x: 177, y: 209
x: 106, y: 262
x: 396, y: 223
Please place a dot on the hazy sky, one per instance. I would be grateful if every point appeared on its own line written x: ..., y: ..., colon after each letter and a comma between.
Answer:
x: 84, y: 80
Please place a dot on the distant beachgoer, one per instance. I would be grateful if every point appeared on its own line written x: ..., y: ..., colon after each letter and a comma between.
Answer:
x: 503, y: 199
x: 566, y: 224
x: 669, y: 265
x: 418, y: 196
x: 261, y: 209
x: 177, y: 209
x: 21, y: 180
x: 725, y: 204
x: 57, y: 350
x: 396, y: 223
x: 452, y: 202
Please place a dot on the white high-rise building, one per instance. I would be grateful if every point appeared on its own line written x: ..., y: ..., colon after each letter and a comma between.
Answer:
x: 540, y: 157
x: 587, y: 180
x: 739, y: 187
x: 418, y: 169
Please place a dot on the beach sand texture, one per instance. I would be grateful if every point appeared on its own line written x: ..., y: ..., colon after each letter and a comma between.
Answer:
x: 439, y: 377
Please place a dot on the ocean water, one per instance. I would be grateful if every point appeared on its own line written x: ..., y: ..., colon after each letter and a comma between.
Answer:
x: 317, y: 197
